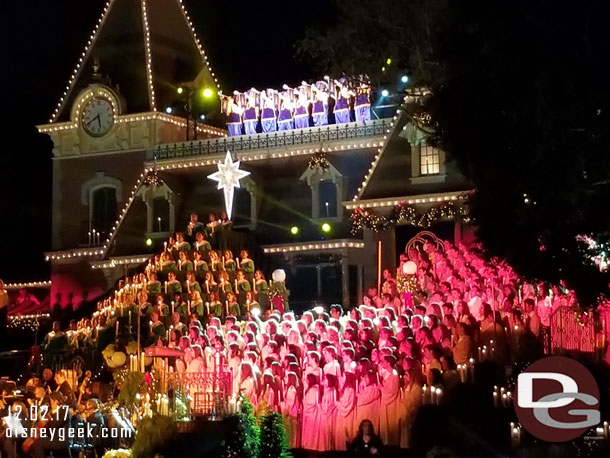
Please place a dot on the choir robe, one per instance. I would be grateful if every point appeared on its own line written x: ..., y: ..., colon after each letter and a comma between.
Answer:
x: 311, y: 419
x: 183, y: 246
x: 235, y: 368
x: 234, y: 124
x: 173, y: 287
x: 192, y: 286
x: 216, y: 308
x: 186, y: 266
x: 243, y: 287
x: 262, y: 293
x: 410, y: 400
x: 389, y: 412
x: 153, y: 287
x: 234, y: 309
x: 206, y: 289
x: 199, y: 308
x: 250, y: 120
x: 328, y: 414
x: 248, y: 388
x: 290, y: 413
x: 230, y: 267
x: 247, y: 265
x: 301, y: 117
x: 368, y: 406
x: 169, y: 266
x: 201, y: 269
x: 345, y: 429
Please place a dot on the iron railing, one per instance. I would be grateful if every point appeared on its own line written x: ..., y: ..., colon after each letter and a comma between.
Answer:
x: 297, y: 137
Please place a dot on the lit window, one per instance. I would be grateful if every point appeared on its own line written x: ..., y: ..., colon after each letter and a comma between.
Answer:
x: 429, y: 160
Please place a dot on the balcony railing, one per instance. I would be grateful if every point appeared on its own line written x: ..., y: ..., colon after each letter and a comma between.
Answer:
x: 295, y: 137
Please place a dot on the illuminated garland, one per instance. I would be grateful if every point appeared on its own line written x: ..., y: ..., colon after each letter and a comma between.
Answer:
x: 404, y: 214
x: 26, y: 322
x: 153, y: 179
x: 319, y: 160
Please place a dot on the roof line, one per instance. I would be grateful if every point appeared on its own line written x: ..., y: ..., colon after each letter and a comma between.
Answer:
x: 79, y: 65
x: 149, y: 73
x: 415, y: 199
x: 197, y: 42
x: 386, y: 140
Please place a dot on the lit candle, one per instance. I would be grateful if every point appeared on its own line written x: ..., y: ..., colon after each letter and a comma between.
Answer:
x: 254, y: 285
x: 235, y: 286
x: 188, y: 286
x: 180, y: 264
x: 207, y: 306
x: 188, y: 307
x: 89, y: 236
x: 164, y: 246
x: 117, y: 328
x: 165, y: 286
x: 248, y: 305
x: 207, y: 286
x: 173, y: 307
x: 227, y: 305
x: 439, y: 394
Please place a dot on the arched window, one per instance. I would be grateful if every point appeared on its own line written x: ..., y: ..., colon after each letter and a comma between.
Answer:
x: 103, y: 208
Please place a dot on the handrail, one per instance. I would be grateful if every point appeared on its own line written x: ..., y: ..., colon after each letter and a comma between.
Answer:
x: 295, y: 137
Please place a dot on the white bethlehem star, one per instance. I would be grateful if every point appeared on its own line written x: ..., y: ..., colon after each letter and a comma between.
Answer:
x: 228, y: 177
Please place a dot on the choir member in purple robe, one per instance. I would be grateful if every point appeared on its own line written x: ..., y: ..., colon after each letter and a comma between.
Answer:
x: 250, y: 113
x: 285, y: 120
x: 342, y: 104
x: 319, y: 110
x: 362, y: 105
x: 234, y: 112
x: 269, y: 113
x: 301, y: 112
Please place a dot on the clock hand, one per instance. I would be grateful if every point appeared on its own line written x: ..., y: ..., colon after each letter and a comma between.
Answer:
x: 97, y: 117
x: 99, y: 122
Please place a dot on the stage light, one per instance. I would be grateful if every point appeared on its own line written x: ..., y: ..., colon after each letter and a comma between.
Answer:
x: 388, y: 61
x: 326, y: 227
x: 202, y: 117
x: 404, y: 79
x: 149, y: 242
x: 207, y: 92
x: 180, y: 90
x: 294, y: 230
x: 385, y: 93
x: 169, y: 110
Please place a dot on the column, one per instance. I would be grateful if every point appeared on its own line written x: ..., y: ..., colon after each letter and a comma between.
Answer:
x: 339, y: 189
x: 360, y: 288
x: 172, y: 212
x: 315, y: 199
x: 345, y: 278
x: 252, y: 209
x: 149, y: 216
x: 319, y: 280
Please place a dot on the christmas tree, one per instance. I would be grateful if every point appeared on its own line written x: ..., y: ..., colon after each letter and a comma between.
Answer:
x: 273, y: 437
x: 244, y: 439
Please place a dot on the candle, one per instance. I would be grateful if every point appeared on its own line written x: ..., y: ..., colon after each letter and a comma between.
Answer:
x: 142, y: 361
x: 248, y: 305
x: 188, y: 306
x: 207, y: 306
x: 130, y: 318
x: 424, y: 390
x: 227, y: 305
x: 495, y: 395
x: 180, y: 264
x: 207, y: 286
x: 235, y: 286
x: 254, y: 285
x: 117, y: 328
x: 188, y: 286
x: 223, y: 262
x: 89, y: 237
x: 164, y: 246
x: 165, y: 286
x: 173, y: 307
x: 439, y: 394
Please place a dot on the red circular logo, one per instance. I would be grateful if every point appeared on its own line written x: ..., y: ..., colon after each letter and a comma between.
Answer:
x: 557, y: 399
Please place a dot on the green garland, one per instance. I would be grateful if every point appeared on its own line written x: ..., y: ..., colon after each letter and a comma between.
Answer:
x: 319, y: 160
x: 244, y: 439
x: 405, y: 214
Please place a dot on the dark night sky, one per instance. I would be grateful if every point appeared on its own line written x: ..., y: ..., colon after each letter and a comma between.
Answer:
x: 249, y: 43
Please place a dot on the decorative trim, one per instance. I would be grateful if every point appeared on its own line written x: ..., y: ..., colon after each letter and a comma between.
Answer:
x: 31, y: 284
x: 426, y: 179
x: 411, y: 200
x: 149, y: 73
x: 313, y: 246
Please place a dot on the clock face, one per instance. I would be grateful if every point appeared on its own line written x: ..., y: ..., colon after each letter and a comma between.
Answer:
x: 97, y: 116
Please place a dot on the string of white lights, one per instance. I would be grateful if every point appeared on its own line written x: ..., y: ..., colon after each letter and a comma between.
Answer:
x: 199, y: 46
x: 79, y: 65
x: 149, y: 73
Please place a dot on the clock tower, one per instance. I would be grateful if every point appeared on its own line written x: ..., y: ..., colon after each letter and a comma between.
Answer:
x: 111, y: 111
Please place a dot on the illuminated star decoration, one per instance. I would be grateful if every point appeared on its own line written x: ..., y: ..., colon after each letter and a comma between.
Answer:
x: 228, y: 177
